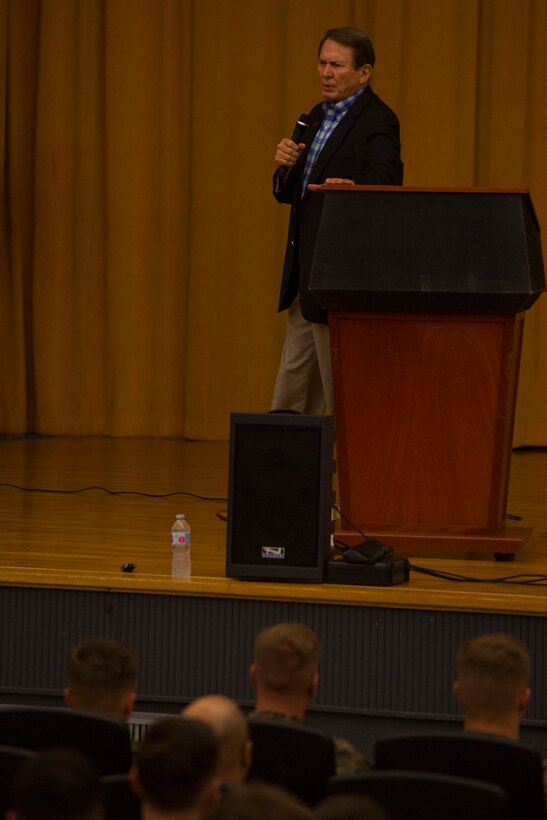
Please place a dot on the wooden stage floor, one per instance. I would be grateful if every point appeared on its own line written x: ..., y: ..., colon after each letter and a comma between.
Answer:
x: 56, y: 533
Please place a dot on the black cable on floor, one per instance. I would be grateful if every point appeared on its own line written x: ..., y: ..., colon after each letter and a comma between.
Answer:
x: 111, y: 492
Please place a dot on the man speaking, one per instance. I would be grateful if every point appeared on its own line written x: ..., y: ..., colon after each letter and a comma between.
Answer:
x: 351, y: 137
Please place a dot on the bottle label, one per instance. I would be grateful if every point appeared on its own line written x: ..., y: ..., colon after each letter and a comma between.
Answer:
x: 179, y: 539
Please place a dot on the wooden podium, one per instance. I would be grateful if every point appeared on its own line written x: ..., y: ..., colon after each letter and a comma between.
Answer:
x: 426, y: 291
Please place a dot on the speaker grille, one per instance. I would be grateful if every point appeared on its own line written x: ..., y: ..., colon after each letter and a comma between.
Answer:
x: 280, y: 496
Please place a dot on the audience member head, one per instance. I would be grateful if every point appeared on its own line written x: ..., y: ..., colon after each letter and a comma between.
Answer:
x: 285, y: 669
x: 261, y: 801
x: 493, y: 683
x: 58, y: 784
x: 231, y: 729
x: 101, y: 677
x: 177, y: 769
x: 350, y: 807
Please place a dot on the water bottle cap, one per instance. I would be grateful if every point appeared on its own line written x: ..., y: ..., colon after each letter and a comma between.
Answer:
x: 180, y: 515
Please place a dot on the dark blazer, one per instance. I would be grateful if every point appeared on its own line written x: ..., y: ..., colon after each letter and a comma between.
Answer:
x: 365, y: 147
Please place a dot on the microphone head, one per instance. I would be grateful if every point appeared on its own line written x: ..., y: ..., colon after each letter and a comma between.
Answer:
x: 301, y: 124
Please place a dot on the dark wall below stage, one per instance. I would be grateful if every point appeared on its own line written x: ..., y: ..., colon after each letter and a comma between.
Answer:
x: 382, y: 670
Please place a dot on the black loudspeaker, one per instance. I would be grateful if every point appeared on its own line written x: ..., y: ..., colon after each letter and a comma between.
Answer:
x: 280, y: 496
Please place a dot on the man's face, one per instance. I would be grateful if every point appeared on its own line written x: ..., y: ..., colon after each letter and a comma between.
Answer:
x: 339, y: 79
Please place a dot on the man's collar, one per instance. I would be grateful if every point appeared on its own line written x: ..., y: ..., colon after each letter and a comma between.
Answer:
x: 343, y: 105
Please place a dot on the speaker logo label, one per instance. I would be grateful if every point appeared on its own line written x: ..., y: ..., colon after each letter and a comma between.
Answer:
x: 273, y: 552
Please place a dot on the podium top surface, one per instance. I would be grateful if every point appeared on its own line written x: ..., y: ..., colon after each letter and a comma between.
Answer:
x: 427, y: 249
x: 423, y: 189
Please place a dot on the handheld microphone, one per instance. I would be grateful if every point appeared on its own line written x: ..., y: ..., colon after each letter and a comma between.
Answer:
x: 301, y: 124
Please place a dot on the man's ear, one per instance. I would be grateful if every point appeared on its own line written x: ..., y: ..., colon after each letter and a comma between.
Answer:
x: 366, y: 73
x: 252, y: 675
x: 67, y: 694
x: 134, y: 781
x: 457, y: 691
x: 247, y: 754
x: 128, y: 703
x: 314, y: 684
x: 212, y: 794
x: 524, y: 699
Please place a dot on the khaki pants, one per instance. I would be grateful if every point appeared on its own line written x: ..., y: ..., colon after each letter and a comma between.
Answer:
x: 304, y: 378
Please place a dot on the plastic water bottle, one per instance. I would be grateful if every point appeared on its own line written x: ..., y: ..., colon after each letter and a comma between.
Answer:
x: 180, y: 542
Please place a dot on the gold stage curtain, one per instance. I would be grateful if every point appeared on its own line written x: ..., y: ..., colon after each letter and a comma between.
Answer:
x: 141, y: 249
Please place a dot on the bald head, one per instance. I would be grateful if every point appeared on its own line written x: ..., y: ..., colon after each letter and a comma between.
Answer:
x: 229, y: 724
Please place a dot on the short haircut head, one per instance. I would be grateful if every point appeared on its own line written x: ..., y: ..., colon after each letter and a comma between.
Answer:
x: 286, y: 657
x: 261, y: 800
x: 99, y: 673
x: 175, y: 762
x: 58, y: 784
x: 359, y: 41
x: 492, y: 670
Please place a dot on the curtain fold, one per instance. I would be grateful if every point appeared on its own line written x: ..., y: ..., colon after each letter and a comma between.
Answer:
x: 140, y: 246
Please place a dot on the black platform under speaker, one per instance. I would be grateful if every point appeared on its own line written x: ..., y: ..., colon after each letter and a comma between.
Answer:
x: 280, y: 496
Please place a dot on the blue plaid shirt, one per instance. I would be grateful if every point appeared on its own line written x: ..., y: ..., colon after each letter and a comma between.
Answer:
x: 333, y: 114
